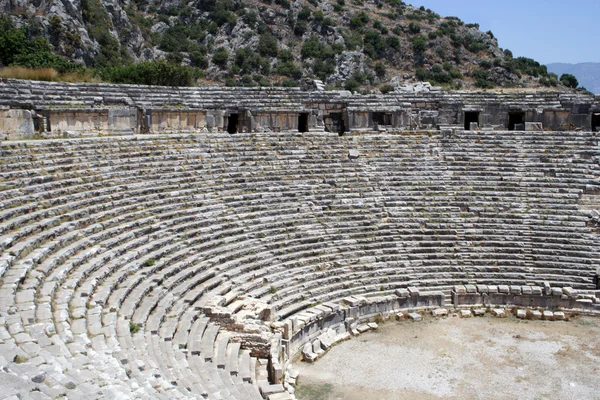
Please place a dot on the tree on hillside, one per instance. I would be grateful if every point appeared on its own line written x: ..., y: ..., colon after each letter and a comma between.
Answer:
x: 569, y: 80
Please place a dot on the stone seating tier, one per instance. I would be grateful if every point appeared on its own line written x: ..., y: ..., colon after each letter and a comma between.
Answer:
x: 153, y: 266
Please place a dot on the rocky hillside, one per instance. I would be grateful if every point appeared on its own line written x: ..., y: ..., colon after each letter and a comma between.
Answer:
x: 344, y: 43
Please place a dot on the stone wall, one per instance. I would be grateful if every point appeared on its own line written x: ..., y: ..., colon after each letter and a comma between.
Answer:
x: 61, y: 109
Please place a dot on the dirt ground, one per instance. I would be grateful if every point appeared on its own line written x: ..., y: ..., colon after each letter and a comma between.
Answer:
x: 453, y: 358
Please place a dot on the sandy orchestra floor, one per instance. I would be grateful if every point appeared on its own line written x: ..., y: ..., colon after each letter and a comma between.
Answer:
x: 453, y: 358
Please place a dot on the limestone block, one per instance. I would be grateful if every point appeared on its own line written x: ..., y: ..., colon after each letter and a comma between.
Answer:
x: 499, y: 312
x: 439, y: 312
x: 308, y: 354
x: 466, y: 314
x: 533, y: 126
x: 535, y: 314
x: 559, y: 316
x: 584, y: 303
x: 415, y: 316
x: 18, y: 124
x: 548, y: 315
x: 503, y: 289
x: 479, y: 312
x: 317, y: 348
x: 570, y: 292
x: 484, y: 289
x: 353, y: 154
x: 536, y: 290
x: 521, y: 313
x: 460, y: 289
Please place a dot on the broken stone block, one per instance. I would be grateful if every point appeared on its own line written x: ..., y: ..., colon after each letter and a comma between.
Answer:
x: 535, y: 314
x: 466, y: 314
x: 479, y: 312
x: 353, y: 154
x: 483, y: 289
x: 415, y: 316
x: 516, y: 290
x: 503, y: 289
x: 373, y: 325
x: 308, y: 354
x: 439, y: 312
x: 459, y: 289
x: 316, y: 347
x: 559, y: 316
x: 521, y: 314
x: 569, y: 291
x: 548, y: 315
x: 471, y: 288
x: 499, y: 312
x: 534, y: 126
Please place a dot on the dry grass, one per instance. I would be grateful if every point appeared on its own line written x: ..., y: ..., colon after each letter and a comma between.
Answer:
x: 42, y: 74
x: 46, y: 74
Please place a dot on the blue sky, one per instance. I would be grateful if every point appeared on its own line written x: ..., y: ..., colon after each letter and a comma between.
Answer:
x: 545, y: 30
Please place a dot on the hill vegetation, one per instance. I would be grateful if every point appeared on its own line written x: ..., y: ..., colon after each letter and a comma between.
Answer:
x: 347, y: 44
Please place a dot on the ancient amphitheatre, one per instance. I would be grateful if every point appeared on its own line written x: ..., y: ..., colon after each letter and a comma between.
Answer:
x: 189, y: 243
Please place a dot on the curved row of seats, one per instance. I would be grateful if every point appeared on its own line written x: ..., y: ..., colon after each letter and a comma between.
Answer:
x: 118, y: 254
x: 76, y: 95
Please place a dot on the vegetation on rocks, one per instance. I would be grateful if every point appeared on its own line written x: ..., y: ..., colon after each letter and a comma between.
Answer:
x: 347, y: 44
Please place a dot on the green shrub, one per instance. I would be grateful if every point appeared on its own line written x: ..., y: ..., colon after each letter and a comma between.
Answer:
x: 569, y: 80
x: 152, y: 73
x: 267, y: 45
x: 304, y: 14
x: 300, y: 28
x: 380, y: 70
x: 221, y: 57
x: 353, y: 40
x: 486, y: 64
x: 134, y: 328
x: 419, y: 44
x: 351, y: 84
x: 322, y: 69
x: 289, y: 69
x: 374, y: 45
x: 414, y: 28
x: 198, y: 60
x: 290, y: 83
x: 311, y: 48
x: 386, y: 88
x: 18, y: 49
